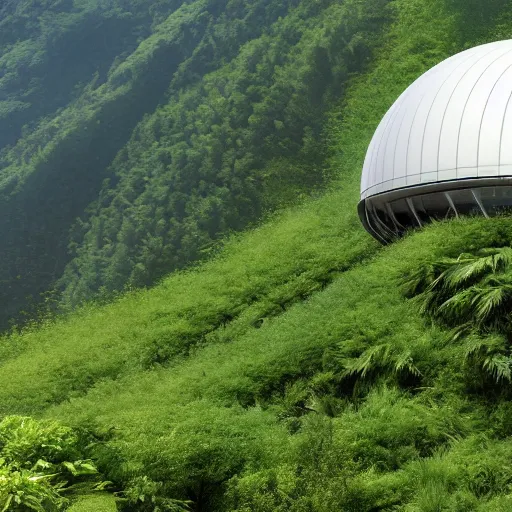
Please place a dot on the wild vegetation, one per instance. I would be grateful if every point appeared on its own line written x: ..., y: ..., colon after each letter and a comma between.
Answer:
x: 210, y: 116
x: 302, y: 367
x: 42, y: 462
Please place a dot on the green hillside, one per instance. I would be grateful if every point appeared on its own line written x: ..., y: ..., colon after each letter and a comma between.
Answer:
x: 301, y: 367
x: 200, y: 118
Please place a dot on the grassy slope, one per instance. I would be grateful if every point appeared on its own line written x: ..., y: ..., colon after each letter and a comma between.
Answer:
x: 94, y: 503
x: 255, y: 278
x: 249, y: 343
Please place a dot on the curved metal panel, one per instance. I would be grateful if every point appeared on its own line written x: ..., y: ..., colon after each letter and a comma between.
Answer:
x: 444, y: 148
x: 454, y: 122
x: 492, y: 122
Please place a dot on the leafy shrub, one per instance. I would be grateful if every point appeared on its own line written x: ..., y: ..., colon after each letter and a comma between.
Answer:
x: 39, y: 462
x: 145, y: 495
x: 472, y: 291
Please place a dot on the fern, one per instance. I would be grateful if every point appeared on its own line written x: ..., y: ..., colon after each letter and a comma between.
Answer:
x: 380, y: 359
x: 486, y: 353
x: 499, y: 367
x: 486, y: 301
x: 473, y: 345
x: 404, y: 361
x: 474, y: 290
x: 367, y: 362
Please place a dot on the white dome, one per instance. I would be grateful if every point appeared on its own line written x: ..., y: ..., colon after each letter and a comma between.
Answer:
x: 452, y: 123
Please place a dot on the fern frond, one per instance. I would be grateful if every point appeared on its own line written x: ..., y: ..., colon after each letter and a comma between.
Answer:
x: 502, y: 257
x: 456, y: 308
x: 383, y: 358
x: 368, y: 361
x: 461, y: 331
x: 499, y: 367
x: 473, y: 345
x: 404, y: 361
x: 497, y: 279
x: 455, y: 290
x: 486, y: 302
x: 419, y: 280
x: 476, y: 344
x: 467, y: 271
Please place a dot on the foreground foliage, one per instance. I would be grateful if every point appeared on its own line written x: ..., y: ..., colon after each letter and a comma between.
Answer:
x: 472, y: 291
x: 40, y: 463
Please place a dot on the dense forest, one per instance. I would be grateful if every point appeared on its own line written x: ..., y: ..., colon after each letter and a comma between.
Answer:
x: 135, y: 134
x: 180, y: 182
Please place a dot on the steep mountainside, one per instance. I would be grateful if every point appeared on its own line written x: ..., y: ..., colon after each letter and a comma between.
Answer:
x: 161, y: 126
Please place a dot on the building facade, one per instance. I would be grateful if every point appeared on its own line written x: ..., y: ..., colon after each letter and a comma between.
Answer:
x: 444, y: 148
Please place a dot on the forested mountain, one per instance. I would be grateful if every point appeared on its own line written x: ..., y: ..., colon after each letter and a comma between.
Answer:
x: 136, y: 133
x: 301, y: 366
x: 239, y: 141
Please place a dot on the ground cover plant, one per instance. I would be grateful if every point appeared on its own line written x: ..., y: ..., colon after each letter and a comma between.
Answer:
x: 42, y: 466
x: 304, y: 367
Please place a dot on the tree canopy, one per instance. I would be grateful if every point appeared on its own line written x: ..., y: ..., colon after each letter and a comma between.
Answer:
x: 137, y: 135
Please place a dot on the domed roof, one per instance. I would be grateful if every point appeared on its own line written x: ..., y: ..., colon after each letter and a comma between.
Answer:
x: 454, y: 122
